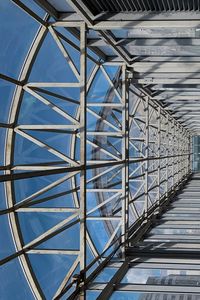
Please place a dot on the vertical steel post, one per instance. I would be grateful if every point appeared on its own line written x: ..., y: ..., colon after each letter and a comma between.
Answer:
x: 178, y: 151
x: 188, y: 150
x: 167, y: 154
x: 181, y: 154
x: 83, y: 127
x: 159, y: 152
x: 173, y: 151
x: 125, y: 158
x: 146, y: 155
x: 191, y: 147
x: 185, y: 151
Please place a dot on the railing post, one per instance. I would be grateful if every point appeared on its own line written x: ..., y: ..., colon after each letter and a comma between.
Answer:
x: 125, y: 158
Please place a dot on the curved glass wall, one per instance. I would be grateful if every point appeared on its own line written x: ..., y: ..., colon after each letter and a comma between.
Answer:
x: 71, y: 156
x: 40, y: 132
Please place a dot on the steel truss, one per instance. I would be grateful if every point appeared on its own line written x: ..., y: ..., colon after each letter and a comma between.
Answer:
x: 131, y: 162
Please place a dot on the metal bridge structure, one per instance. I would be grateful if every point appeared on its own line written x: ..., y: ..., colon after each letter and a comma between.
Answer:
x: 98, y: 130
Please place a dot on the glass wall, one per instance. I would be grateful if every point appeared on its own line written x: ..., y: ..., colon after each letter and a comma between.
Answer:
x: 196, y: 153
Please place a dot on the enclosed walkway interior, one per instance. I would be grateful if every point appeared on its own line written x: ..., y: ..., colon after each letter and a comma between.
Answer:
x: 99, y: 149
x: 164, y: 263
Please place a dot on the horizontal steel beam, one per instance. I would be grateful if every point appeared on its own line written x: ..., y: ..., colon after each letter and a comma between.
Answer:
x: 137, y: 16
x: 127, y: 287
x: 109, y: 25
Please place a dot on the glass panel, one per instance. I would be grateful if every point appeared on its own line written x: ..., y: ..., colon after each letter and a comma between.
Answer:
x: 64, y: 240
x: 2, y: 144
x: 151, y: 296
x: 13, y: 283
x: 92, y: 295
x: 59, y: 69
x: 50, y: 271
x: 26, y: 187
x: 106, y: 275
x: 101, y: 239
x: 32, y: 153
x: 34, y: 7
x: 35, y: 112
x: 162, y: 277
x: 6, y: 241
x: 7, y: 90
x: 2, y: 196
x: 196, y: 153
x: 34, y: 224
x: 14, y: 46
x: 100, y: 88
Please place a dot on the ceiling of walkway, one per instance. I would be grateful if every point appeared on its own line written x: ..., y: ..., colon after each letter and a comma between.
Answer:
x: 138, y: 5
x: 159, y: 40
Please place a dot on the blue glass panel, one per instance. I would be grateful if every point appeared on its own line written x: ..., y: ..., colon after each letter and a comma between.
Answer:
x: 103, y: 236
x: 106, y: 275
x: 6, y: 241
x: 71, y: 93
x: 50, y: 64
x: 73, y: 53
x: 2, y: 144
x: 111, y: 71
x: 51, y: 270
x: 2, y: 196
x: 90, y: 257
x: 26, y: 187
x: 93, y: 200
x: 59, y: 196
x: 7, y: 90
x: 34, y: 7
x: 92, y: 54
x: 13, y: 283
x: 67, y: 239
x: 14, y: 46
x: 31, y: 153
x: 68, y: 35
x: 69, y: 292
x: 59, y: 141
x: 90, y: 66
x: 34, y: 224
x: 100, y: 89
x: 69, y: 103
x: 33, y: 111
x: 91, y: 121
x: 92, y: 295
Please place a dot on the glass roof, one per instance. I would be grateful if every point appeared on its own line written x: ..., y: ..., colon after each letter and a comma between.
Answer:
x: 45, y: 117
x: 41, y: 131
